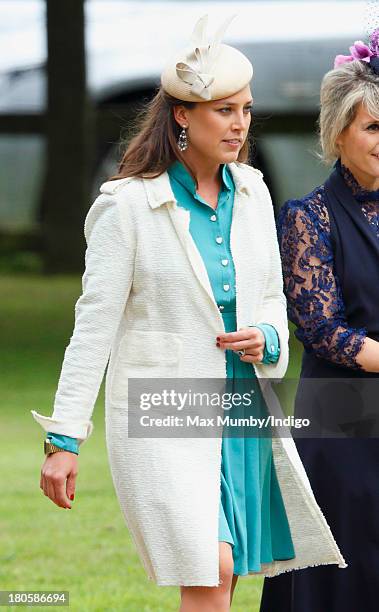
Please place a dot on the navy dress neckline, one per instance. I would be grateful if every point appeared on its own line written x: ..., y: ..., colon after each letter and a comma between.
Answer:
x: 360, y: 193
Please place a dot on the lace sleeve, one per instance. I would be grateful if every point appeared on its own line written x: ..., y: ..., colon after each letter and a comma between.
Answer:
x: 315, y: 303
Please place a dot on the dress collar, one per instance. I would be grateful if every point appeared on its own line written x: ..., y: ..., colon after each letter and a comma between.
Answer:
x: 159, y: 190
x: 361, y: 194
x: 180, y: 173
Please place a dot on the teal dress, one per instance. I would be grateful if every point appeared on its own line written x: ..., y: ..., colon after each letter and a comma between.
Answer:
x: 252, y: 516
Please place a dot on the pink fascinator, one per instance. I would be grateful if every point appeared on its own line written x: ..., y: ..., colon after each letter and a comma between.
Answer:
x: 365, y: 53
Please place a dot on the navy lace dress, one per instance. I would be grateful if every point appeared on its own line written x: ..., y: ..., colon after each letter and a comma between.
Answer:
x: 330, y: 256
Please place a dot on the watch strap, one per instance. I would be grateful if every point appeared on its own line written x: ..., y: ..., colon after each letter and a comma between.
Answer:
x: 50, y: 448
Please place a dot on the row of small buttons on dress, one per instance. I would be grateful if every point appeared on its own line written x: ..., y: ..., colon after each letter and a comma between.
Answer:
x: 224, y: 262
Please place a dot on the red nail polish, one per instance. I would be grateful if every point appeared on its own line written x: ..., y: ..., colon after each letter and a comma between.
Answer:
x: 218, y: 339
x: 72, y: 496
x: 217, y: 344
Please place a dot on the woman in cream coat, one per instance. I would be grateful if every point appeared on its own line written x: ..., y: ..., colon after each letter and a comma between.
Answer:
x: 148, y: 307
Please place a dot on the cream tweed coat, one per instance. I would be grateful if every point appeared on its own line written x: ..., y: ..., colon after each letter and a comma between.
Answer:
x: 147, y: 306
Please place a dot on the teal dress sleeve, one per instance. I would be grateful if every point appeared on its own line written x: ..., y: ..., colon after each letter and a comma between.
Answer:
x: 65, y: 442
x: 272, y: 349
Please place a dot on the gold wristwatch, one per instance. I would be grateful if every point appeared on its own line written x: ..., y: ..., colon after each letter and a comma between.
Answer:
x: 50, y: 448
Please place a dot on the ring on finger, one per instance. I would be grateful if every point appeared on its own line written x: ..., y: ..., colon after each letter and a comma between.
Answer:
x: 242, y: 353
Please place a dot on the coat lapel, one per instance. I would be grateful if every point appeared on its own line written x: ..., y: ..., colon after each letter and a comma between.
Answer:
x: 244, y: 253
x: 181, y: 220
x: 246, y: 248
x: 159, y: 192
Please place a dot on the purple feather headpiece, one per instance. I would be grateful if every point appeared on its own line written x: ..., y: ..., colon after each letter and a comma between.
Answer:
x: 362, y: 52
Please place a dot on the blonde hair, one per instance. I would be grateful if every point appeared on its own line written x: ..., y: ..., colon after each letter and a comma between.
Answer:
x: 342, y: 89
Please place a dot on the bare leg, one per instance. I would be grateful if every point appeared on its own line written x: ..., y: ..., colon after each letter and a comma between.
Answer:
x: 234, y: 582
x: 211, y: 599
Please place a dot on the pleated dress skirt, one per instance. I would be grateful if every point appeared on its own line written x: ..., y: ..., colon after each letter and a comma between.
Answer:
x: 252, y: 516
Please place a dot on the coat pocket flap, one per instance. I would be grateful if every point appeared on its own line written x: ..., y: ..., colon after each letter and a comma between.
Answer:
x: 150, y: 348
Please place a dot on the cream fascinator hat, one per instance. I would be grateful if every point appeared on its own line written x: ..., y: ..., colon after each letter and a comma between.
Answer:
x: 206, y: 69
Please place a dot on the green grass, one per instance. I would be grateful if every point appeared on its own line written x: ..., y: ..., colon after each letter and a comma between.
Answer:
x: 87, y: 550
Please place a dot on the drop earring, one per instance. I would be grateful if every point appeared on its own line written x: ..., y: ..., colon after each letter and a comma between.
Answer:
x: 183, y: 140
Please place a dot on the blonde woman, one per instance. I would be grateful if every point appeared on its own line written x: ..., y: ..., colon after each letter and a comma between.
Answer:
x: 183, y: 280
x: 330, y: 253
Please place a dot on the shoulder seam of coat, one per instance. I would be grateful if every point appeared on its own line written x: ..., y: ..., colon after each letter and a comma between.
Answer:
x: 111, y: 187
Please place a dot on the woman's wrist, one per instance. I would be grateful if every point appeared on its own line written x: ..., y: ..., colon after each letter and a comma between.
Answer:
x: 65, y: 442
x: 368, y: 356
x: 271, y: 351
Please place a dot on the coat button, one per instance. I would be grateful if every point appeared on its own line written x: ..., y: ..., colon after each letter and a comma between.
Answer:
x: 224, y: 262
x: 272, y: 347
x: 219, y: 239
x: 213, y: 218
x: 221, y: 307
x: 226, y: 287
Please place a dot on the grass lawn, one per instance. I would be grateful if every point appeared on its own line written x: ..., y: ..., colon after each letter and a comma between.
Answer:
x: 86, y: 551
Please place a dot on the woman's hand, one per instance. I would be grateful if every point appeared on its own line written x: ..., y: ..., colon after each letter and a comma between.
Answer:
x: 56, y: 469
x: 251, y: 339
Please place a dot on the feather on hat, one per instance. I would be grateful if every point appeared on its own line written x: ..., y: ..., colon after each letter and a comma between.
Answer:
x: 206, y: 69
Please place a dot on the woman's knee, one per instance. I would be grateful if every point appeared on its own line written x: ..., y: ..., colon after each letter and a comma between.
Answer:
x: 226, y: 566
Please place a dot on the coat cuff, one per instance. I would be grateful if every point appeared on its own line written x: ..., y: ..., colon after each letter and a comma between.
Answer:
x: 75, y: 429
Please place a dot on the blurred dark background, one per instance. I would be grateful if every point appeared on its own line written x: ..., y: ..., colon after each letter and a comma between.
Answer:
x: 73, y: 75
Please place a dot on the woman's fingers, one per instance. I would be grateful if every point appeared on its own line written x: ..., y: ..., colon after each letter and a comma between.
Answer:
x: 56, y: 469
x: 50, y: 489
x: 60, y: 497
x: 254, y: 352
x: 43, y: 485
x: 243, y: 344
x: 70, y: 485
x: 250, y: 339
x: 252, y: 358
x: 242, y: 334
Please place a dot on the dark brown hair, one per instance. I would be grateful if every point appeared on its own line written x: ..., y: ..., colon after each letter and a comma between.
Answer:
x: 153, y: 149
